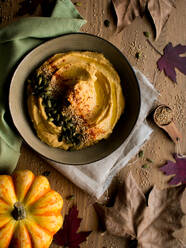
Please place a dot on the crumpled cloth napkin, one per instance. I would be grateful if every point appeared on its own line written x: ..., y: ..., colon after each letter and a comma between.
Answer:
x: 16, y: 40
x: 96, y: 177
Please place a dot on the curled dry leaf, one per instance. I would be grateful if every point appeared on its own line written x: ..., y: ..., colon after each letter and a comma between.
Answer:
x: 152, y: 225
x: 128, y: 10
x: 160, y: 11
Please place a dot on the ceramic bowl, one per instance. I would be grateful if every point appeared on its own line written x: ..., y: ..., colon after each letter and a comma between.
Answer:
x: 75, y: 42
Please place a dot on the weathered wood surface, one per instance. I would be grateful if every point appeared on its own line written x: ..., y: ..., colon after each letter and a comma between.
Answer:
x: 129, y: 41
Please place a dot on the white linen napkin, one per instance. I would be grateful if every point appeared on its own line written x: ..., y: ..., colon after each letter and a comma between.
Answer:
x: 96, y: 177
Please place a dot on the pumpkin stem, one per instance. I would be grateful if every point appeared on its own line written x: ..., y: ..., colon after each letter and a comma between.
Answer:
x: 18, y: 212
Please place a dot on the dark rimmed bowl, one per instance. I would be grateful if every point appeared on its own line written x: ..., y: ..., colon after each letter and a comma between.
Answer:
x: 75, y: 42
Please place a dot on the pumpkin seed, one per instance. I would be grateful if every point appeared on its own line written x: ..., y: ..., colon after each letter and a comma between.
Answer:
x: 138, y: 55
x: 46, y: 173
x: 69, y: 125
x: 140, y: 154
x: 106, y: 23
x: 70, y: 197
x: 146, y: 34
x: 144, y: 166
x: 40, y: 80
x: 149, y: 160
x: 49, y: 104
x: 78, y: 4
x: 58, y: 117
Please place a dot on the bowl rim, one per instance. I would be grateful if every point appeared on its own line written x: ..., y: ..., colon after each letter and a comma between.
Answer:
x: 29, y: 53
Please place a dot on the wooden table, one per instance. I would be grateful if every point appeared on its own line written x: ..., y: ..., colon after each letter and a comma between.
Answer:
x: 159, y: 148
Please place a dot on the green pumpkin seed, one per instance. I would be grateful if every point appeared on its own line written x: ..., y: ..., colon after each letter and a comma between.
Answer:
x: 147, y: 34
x: 144, y: 166
x: 50, y: 119
x: 49, y: 104
x: 70, y: 197
x: 40, y: 80
x: 149, y: 160
x: 58, y: 117
x: 140, y: 154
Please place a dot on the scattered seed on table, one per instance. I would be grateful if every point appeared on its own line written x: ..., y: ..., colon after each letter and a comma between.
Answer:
x: 138, y: 55
x: 106, y: 23
x: 146, y: 34
x: 78, y: 4
x: 140, y: 154
x: 46, y: 173
x: 149, y: 160
x: 144, y: 166
x: 70, y: 197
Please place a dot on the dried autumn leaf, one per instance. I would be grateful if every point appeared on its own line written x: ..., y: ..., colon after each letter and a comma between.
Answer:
x: 68, y: 236
x: 151, y: 225
x: 171, y: 60
x: 178, y: 169
x: 128, y: 10
x: 160, y: 11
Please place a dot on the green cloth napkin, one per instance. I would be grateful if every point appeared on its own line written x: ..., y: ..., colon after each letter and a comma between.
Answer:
x: 16, y: 40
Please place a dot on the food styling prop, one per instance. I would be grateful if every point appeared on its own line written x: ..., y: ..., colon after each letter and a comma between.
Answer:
x: 30, y: 211
x: 163, y: 117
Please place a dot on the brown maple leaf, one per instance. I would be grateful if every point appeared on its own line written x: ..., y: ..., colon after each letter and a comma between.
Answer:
x: 128, y: 10
x: 153, y: 225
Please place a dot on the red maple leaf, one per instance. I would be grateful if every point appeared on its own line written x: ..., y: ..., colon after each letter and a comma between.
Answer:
x: 171, y: 60
x: 178, y: 169
x: 68, y: 236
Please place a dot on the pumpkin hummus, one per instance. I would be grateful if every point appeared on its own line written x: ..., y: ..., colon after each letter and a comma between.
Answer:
x: 75, y: 99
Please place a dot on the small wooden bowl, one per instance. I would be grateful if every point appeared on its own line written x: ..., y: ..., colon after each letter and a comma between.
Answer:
x: 170, y: 126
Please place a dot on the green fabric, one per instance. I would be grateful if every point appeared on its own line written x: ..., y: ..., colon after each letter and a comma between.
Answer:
x: 16, y: 40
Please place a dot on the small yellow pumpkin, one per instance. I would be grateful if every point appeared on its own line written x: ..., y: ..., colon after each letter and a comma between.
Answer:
x: 30, y: 211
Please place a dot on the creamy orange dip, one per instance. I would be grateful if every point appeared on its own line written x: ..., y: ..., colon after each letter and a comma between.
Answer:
x: 75, y: 99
